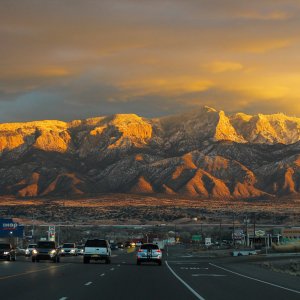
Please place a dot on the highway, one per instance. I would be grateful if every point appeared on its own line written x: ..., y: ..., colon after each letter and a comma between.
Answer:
x: 181, y: 276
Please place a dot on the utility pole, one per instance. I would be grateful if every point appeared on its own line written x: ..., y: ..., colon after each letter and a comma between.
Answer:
x: 220, y: 233
x: 233, y: 230
x: 254, y: 229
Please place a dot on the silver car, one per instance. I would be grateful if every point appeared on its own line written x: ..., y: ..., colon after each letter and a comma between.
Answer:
x: 149, y: 253
x: 30, y: 247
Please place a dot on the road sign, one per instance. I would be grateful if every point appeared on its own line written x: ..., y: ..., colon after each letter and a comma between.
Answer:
x: 207, y: 242
x: 9, y: 228
x: 196, y: 238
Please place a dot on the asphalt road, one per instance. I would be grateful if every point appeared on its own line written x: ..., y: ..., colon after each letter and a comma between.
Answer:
x: 180, y: 277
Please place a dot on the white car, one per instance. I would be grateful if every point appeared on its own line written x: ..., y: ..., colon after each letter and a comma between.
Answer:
x: 149, y: 253
x: 69, y: 249
x: 28, y: 251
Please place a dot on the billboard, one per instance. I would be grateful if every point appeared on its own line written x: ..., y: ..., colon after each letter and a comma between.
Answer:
x: 9, y: 228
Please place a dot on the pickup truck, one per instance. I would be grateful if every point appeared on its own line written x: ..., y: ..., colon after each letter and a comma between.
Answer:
x: 96, y: 249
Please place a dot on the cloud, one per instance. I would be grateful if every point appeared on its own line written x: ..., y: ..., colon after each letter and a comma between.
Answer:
x: 264, y: 45
x: 224, y: 66
x: 265, y: 16
x: 151, y: 57
x: 165, y: 85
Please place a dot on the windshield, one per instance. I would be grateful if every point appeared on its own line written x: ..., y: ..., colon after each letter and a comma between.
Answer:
x: 149, y: 246
x: 68, y: 246
x: 46, y: 245
x: 4, y: 246
x: 96, y: 243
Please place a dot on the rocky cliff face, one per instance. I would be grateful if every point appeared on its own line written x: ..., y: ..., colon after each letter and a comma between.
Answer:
x: 203, y: 154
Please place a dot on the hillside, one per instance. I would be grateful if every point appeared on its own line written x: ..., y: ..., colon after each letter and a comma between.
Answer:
x: 204, y: 154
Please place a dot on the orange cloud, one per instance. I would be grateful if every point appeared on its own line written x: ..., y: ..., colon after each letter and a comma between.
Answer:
x: 224, y: 66
x: 264, y: 45
x: 166, y: 86
x: 53, y: 72
x: 265, y: 16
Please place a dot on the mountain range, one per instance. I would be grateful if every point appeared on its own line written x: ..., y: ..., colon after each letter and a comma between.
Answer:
x: 204, y: 154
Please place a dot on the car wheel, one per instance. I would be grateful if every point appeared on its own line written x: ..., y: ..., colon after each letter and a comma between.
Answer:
x: 33, y: 259
x: 159, y: 262
x: 13, y: 258
x: 8, y: 258
x: 107, y: 261
x: 138, y: 262
x: 58, y: 259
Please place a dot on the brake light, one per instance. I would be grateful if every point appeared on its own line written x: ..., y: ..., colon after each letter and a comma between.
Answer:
x: 158, y: 251
x: 140, y: 250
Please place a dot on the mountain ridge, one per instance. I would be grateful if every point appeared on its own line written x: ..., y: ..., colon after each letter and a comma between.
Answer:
x: 204, y: 153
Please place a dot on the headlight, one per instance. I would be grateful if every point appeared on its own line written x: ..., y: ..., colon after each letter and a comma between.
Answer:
x: 34, y: 251
x: 62, y: 250
x: 5, y: 252
x: 53, y: 251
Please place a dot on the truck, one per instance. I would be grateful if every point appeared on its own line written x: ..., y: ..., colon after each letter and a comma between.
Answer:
x: 97, y: 249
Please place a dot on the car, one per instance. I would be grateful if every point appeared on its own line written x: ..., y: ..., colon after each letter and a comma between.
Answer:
x: 114, y: 246
x: 80, y: 249
x: 97, y: 249
x: 28, y: 251
x: 69, y: 249
x: 7, y: 252
x: 46, y: 250
x: 120, y: 245
x: 149, y: 253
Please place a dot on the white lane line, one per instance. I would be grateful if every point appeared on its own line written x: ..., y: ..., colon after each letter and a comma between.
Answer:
x: 212, y: 275
x: 255, y: 279
x: 102, y: 274
x: 88, y: 283
x: 63, y: 298
x: 184, y: 283
x: 119, y: 265
x: 112, y: 269
x: 193, y: 268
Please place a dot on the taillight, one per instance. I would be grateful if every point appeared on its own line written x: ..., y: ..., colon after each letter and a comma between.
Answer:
x: 158, y: 251
x: 140, y: 250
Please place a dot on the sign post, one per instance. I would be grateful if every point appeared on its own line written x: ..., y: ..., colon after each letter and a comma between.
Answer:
x: 51, y: 233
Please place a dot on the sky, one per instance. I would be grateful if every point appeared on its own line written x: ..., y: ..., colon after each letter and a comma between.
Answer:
x: 73, y: 59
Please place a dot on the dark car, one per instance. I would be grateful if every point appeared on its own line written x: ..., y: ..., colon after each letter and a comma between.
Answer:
x: 46, y: 250
x: 7, y: 252
x: 120, y: 245
x: 114, y: 246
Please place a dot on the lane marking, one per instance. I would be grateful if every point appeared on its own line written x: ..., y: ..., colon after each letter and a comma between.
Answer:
x: 212, y: 275
x: 255, y: 279
x: 119, y: 265
x: 63, y: 298
x: 112, y: 269
x: 88, y: 283
x: 184, y: 262
x: 102, y: 274
x: 184, y: 283
x: 193, y: 268
x: 31, y: 272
